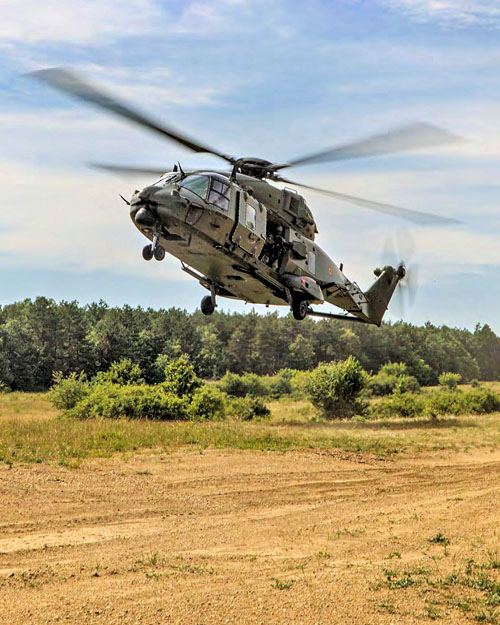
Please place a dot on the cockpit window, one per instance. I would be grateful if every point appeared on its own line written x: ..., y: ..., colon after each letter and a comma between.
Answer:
x: 219, y: 194
x: 196, y: 184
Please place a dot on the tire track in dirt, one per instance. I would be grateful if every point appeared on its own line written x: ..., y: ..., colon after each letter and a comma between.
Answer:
x: 200, y: 538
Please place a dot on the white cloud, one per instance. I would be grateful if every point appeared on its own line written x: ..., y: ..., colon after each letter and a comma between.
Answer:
x: 74, y: 222
x: 74, y: 21
x: 450, y: 12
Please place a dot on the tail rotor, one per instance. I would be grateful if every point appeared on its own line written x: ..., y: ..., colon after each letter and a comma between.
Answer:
x: 399, y: 252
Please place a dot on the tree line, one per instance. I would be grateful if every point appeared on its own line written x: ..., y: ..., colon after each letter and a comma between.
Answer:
x: 41, y: 337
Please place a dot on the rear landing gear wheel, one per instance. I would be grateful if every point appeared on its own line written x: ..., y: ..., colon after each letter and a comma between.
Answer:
x: 299, y: 309
x: 159, y: 252
x: 207, y: 305
x: 147, y: 252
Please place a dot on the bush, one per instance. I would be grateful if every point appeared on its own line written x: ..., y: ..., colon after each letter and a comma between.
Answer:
x: 248, y: 408
x: 400, y: 405
x: 135, y: 401
x: 392, y: 378
x: 122, y: 373
x: 394, y: 368
x: 274, y: 386
x: 4, y: 388
x: 180, y: 378
x: 481, y: 401
x: 299, y: 383
x: 207, y: 403
x: 335, y: 387
x: 67, y: 392
x: 253, y: 384
x: 232, y: 384
x: 279, y: 385
x: 445, y: 402
x: 449, y: 380
x: 243, y: 385
x: 406, y: 384
x: 475, y: 383
x: 456, y: 402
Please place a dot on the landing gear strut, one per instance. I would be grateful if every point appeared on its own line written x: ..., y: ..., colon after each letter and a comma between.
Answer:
x: 156, y: 249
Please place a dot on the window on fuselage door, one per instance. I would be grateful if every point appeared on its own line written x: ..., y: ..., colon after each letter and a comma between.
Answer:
x: 219, y: 195
x: 251, y: 217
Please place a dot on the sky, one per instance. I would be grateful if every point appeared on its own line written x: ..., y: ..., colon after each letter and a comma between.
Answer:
x: 270, y: 78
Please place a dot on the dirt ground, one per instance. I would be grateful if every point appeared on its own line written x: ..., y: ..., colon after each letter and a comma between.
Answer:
x: 251, y: 537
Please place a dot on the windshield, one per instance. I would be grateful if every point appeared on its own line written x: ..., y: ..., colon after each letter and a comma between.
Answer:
x: 196, y: 184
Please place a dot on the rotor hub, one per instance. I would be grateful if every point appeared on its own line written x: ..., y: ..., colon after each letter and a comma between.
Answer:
x: 256, y: 167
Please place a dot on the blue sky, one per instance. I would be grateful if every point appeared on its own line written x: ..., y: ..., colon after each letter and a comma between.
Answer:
x: 274, y: 79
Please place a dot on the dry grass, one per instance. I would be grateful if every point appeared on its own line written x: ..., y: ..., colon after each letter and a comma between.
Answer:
x: 32, y: 431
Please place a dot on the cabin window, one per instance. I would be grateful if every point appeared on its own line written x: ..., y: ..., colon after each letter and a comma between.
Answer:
x: 219, y: 194
x: 251, y: 217
x: 197, y: 185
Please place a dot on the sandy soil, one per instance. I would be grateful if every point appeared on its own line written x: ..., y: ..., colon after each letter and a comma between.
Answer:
x: 245, y: 537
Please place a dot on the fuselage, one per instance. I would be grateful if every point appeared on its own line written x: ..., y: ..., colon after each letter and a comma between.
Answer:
x: 220, y: 227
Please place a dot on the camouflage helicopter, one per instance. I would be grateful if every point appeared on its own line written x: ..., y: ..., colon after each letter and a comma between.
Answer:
x: 244, y: 238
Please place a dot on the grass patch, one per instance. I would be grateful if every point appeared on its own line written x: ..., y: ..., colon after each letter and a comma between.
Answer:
x: 31, y: 431
x: 471, y: 591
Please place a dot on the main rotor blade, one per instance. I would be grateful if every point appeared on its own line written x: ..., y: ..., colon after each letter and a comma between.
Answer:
x: 410, y: 137
x: 119, y: 169
x: 154, y: 171
x: 72, y: 84
x: 418, y: 217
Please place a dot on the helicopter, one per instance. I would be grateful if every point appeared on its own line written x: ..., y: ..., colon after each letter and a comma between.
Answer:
x: 244, y: 238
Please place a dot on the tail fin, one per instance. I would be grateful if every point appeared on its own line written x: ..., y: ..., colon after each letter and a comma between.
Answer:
x: 380, y: 293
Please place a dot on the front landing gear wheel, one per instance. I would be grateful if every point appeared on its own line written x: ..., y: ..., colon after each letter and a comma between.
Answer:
x: 207, y: 305
x: 299, y: 309
x: 147, y: 252
x: 159, y: 252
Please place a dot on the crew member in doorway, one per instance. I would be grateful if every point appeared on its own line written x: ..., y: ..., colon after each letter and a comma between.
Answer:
x: 278, y: 248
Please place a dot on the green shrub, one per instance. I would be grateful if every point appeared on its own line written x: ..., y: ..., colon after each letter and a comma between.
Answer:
x: 68, y: 391
x: 449, y: 380
x: 207, y: 402
x: 406, y: 384
x: 122, y: 373
x: 4, y: 388
x: 279, y: 385
x: 475, y: 383
x: 445, y: 401
x: 299, y: 383
x: 481, y: 401
x: 456, y: 402
x: 248, y: 408
x: 135, y: 401
x: 232, y: 384
x: 381, y: 384
x: 253, y: 384
x: 274, y: 386
x: 242, y: 385
x: 335, y: 387
x: 180, y: 378
x: 400, y: 405
x: 394, y: 368
x: 392, y: 378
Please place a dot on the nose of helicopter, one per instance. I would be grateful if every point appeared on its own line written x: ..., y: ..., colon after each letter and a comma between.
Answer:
x: 155, y: 204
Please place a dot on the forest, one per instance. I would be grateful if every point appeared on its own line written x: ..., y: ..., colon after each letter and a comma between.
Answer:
x: 41, y: 337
